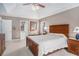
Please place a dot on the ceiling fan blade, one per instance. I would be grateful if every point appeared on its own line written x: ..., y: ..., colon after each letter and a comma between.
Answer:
x: 26, y: 3
x: 41, y: 5
x: 35, y: 4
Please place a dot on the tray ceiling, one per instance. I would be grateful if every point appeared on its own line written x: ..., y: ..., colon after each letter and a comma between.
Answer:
x: 18, y: 10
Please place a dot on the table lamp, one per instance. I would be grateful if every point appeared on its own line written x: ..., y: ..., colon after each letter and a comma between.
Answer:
x: 45, y: 30
x: 76, y: 30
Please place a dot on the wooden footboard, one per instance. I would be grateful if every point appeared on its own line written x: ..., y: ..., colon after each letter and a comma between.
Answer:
x: 32, y: 46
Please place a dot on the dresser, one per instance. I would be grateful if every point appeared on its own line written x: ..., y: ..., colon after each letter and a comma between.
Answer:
x: 2, y: 43
x: 73, y: 46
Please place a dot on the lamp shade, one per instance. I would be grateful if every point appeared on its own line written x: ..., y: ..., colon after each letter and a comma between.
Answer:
x: 76, y: 30
x: 45, y: 28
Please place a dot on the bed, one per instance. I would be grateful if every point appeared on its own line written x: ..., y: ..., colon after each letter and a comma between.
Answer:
x: 45, y: 44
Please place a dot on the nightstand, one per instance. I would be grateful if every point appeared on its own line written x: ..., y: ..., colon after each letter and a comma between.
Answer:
x: 73, y: 46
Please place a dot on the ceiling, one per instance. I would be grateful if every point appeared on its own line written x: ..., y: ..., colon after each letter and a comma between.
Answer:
x: 18, y: 10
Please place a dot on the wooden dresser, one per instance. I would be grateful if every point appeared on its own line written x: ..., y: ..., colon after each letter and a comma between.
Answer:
x: 73, y: 46
x: 2, y: 43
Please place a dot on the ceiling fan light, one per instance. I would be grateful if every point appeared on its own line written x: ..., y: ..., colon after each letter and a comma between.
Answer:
x: 35, y: 7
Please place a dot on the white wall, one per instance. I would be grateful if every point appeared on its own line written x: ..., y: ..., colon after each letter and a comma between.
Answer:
x: 70, y: 17
x: 0, y: 25
x: 26, y: 27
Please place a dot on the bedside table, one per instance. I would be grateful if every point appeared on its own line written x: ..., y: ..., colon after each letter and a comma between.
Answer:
x: 73, y: 46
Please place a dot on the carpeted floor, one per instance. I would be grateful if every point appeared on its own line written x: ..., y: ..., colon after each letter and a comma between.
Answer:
x: 17, y: 48
x: 26, y: 52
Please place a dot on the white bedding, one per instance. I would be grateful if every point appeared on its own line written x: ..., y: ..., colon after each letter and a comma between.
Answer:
x: 49, y: 42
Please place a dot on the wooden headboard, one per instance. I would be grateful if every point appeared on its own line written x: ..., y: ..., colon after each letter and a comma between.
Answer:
x: 61, y: 28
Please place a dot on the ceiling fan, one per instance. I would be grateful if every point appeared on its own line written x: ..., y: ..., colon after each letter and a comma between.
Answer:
x: 35, y: 4
x: 35, y: 7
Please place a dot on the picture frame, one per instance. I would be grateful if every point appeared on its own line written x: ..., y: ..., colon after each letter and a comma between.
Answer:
x: 33, y: 25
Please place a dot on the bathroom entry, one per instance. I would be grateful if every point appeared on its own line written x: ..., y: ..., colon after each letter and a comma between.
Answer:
x: 15, y: 29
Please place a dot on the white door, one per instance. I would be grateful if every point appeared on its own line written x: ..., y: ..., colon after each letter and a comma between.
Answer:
x: 24, y: 33
x: 7, y: 29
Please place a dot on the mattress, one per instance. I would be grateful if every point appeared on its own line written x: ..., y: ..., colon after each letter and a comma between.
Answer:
x: 49, y: 42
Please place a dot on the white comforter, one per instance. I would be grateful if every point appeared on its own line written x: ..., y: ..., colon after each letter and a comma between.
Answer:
x: 50, y: 42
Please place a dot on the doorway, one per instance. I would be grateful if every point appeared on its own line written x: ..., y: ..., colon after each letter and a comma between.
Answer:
x: 19, y: 29
x: 15, y: 29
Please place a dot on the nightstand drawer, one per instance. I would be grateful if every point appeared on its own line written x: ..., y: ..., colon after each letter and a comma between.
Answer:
x: 73, y: 46
x: 74, y: 42
x: 73, y: 49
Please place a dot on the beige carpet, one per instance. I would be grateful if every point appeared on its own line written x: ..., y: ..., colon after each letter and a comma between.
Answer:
x: 26, y: 52
x: 17, y: 48
x: 21, y: 52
